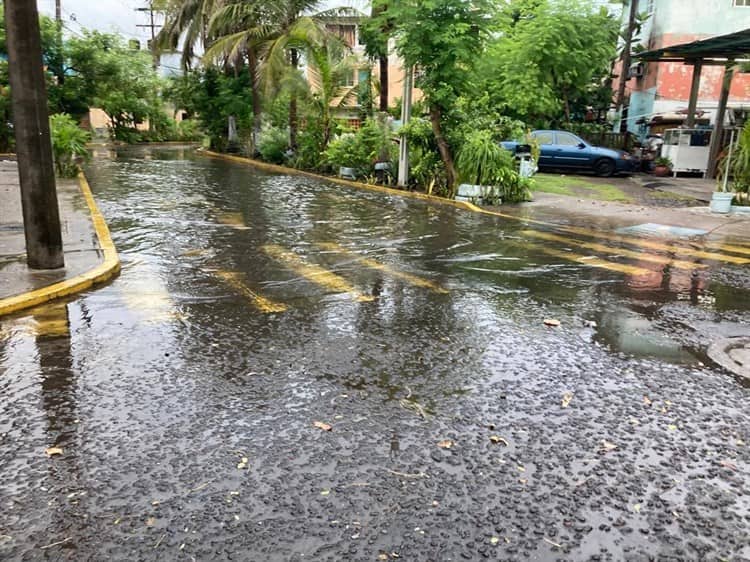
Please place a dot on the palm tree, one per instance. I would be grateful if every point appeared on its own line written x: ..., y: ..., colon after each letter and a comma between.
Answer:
x: 330, y: 64
x: 239, y: 29
x: 186, y: 20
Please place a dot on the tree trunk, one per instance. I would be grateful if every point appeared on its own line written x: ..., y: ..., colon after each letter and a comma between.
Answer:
x: 436, y: 115
x: 252, y: 63
x: 620, y: 99
x: 383, y: 61
x: 293, y: 105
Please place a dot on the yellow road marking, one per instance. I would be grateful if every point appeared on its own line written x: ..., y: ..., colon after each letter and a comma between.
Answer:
x: 372, y: 264
x: 594, y: 261
x: 728, y: 247
x: 235, y: 220
x: 471, y: 207
x: 615, y: 251
x: 261, y: 303
x: 653, y: 245
x: 314, y: 273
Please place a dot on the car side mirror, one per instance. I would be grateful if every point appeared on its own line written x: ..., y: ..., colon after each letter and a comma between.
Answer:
x: 581, y: 145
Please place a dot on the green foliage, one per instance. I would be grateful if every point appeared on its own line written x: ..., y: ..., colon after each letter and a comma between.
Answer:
x: 426, y: 168
x: 739, y: 167
x: 68, y: 144
x: 273, y: 144
x: 663, y: 161
x: 481, y: 161
x: 362, y: 149
x: 550, y: 60
x: 213, y: 97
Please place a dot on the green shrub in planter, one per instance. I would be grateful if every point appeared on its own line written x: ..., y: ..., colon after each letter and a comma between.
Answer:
x: 68, y: 144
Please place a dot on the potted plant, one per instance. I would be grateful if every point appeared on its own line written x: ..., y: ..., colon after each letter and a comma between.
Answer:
x: 737, y: 163
x: 662, y: 167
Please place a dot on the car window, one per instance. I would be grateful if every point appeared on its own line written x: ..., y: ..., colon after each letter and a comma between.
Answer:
x: 566, y: 139
x: 544, y: 137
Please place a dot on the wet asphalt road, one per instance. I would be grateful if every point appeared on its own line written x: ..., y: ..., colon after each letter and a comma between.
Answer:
x: 184, y: 395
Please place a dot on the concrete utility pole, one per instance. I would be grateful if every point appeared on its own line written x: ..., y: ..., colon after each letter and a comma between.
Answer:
x: 403, y: 149
x: 41, y: 217
x: 153, y: 27
x: 624, y: 72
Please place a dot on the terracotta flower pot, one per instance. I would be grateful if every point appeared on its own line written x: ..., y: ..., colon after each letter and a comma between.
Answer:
x: 662, y: 171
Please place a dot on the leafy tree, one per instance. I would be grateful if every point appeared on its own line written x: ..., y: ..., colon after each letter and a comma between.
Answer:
x: 442, y: 39
x: 549, y: 58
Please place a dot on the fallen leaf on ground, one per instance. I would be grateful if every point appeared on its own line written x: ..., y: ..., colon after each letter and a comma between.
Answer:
x: 322, y: 425
x: 445, y: 444
x: 551, y: 322
x: 567, y: 397
x: 497, y: 439
x: 52, y: 451
x: 608, y: 446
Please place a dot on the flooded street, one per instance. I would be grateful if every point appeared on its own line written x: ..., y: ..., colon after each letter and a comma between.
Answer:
x: 454, y: 424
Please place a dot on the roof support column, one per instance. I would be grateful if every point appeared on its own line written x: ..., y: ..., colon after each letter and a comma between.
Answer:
x: 694, y: 88
x: 713, y: 152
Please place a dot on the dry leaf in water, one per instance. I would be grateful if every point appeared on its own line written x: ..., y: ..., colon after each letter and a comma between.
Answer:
x: 646, y: 401
x: 551, y: 322
x: 608, y: 446
x: 243, y: 463
x: 497, y: 440
x: 445, y: 444
x: 322, y: 425
x: 150, y: 522
x: 567, y: 397
x: 52, y: 451
x: 494, y: 540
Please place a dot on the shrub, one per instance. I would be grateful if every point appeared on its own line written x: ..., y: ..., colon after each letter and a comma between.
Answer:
x: 68, y: 144
x: 482, y: 161
x: 189, y: 130
x: 273, y: 144
x: 362, y: 149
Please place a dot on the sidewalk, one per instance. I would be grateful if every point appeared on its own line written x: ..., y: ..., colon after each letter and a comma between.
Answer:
x: 81, y: 242
x: 698, y: 188
x: 608, y: 215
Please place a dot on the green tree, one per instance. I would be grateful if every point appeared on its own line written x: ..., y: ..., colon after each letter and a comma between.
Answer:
x: 548, y: 57
x: 443, y: 39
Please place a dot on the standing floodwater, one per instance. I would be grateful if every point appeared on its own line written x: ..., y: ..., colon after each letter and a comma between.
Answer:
x: 288, y: 369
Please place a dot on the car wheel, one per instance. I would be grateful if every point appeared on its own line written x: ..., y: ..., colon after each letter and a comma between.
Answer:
x: 604, y: 167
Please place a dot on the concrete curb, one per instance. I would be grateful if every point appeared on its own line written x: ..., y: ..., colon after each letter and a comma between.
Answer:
x: 102, y: 272
x: 359, y: 185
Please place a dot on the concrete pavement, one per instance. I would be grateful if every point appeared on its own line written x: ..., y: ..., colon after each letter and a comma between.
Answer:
x: 21, y: 287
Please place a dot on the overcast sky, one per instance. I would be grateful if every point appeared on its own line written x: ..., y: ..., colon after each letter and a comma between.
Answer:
x: 121, y: 16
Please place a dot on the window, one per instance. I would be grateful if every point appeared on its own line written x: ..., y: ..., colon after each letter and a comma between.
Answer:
x: 566, y: 139
x: 544, y: 137
x: 745, y: 3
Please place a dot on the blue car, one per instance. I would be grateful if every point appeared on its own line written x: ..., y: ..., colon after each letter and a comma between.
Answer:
x: 561, y: 150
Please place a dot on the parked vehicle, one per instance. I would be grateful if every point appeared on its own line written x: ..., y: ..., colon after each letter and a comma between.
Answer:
x: 563, y: 150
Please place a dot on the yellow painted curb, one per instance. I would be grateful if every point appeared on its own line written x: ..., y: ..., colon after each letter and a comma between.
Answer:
x: 359, y: 185
x: 102, y: 272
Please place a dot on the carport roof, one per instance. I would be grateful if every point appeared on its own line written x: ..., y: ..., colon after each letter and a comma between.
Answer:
x: 719, y: 48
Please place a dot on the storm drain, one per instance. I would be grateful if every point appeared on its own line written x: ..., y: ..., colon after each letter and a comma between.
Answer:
x: 661, y: 230
x: 733, y: 354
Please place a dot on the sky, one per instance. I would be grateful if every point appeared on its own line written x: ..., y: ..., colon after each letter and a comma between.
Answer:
x: 121, y: 16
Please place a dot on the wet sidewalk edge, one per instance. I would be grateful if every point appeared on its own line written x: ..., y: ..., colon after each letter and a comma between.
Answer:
x: 106, y: 270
